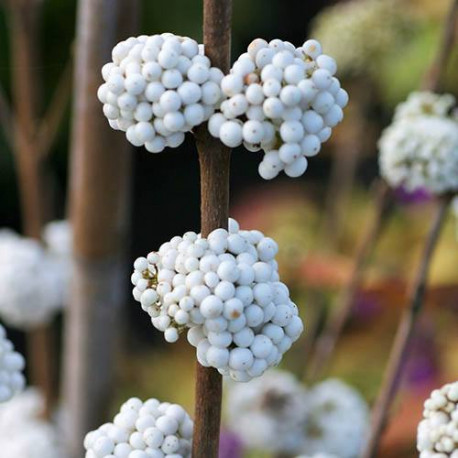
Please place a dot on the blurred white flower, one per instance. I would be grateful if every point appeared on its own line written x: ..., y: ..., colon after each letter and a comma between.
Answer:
x: 420, y: 148
x: 359, y: 34
x: 268, y: 413
x: 337, y: 420
x: 438, y: 431
x: 23, y: 432
x: 33, y: 279
x: 58, y: 236
x: 425, y: 103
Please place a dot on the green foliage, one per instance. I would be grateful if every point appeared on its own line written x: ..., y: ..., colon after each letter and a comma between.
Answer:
x: 403, y: 70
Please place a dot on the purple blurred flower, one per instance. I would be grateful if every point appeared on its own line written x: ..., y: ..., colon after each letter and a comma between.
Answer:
x: 418, y: 196
x: 230, y: 445
x: 366, y: 307
x: 422, y: 365
x: 421, y: 370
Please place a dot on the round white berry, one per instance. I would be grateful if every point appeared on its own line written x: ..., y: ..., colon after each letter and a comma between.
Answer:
x: 231, y: 133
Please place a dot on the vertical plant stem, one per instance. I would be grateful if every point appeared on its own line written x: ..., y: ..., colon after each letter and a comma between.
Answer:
x: 214, y: 160
x: 99, y: 191
x: 404, y: 334
x: 334, y: 327
x: 35, y: 185
x: 26, y: 90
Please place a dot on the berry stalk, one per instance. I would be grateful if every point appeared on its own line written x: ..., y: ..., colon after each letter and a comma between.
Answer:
x: 214, y: 160
x: 327, y: 341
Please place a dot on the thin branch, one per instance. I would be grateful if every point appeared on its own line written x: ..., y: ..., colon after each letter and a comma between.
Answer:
x: 214, y: 160
x: 399, y: 352
x: 333, y: 329
x: 24, y: 18
x: 49, y: 126
x: 6, y: 118
x: 433, y: 78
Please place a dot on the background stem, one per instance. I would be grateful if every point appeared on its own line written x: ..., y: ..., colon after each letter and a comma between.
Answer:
x: 326, y: 342
x: 433, y: 78
x: 214, y: 160
x: 34, y: 178
x: 99, y: 191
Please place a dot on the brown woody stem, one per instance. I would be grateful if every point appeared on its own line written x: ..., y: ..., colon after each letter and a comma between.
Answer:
x: 214, y: 160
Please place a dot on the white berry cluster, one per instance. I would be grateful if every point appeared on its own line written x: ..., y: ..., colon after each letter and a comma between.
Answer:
x: 158, y: 88
x: 12, y: 364
x: 361, y: 34
x: 24, y: 432
x: 149, y: 429
x: 225, y: 291
x: 32, y: 288
x: 438, y: 431
x: 283, y: 100
x: 420, y: 148
x: 268, y: 413
x: 337, y: 420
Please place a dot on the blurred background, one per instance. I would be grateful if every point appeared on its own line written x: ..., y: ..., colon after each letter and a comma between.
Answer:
x: 318, y: 219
